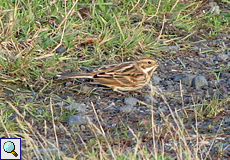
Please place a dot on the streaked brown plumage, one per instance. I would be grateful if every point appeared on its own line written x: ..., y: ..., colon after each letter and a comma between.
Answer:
x: 125, y: 76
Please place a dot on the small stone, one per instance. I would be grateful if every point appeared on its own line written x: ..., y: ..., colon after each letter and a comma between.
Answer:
x: 127, y: 108
x: 80, y: 107
x: 60, y: 50
x: 68, y: 84
x: 29, y: 99
x: 225, y: 95
x: 199, y: 81
x: 156, y: 79
x: 215, y: 9
x: 39, y: 111
x: 216, y: 42
x: 227, y: 119
x: 76, y: 120
x: 225, y: 75
x: 86, y: 88
x: 59, y: 104
x: 175, y: 48
x: 201, y: 55
x: 187, y: 79
x: 206, y: 62
x: 228, y: 53
x: 48, y: 150
x: 223, y: 57
x: 82, y: 128
x: 162, y: 109
x: 178, y: 78
x: 211, y: 84
x: 167, y: 83
x: 109, y: 106
x: 149, y: 99
x: 216, y: 82
x: 171, y: 48
x: 130, y: 101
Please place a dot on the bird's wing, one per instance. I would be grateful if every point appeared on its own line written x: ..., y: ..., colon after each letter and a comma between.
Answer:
x: 125, y: 74
x: 118, y: 69
x: 133, y: 80
x: 108, y: 81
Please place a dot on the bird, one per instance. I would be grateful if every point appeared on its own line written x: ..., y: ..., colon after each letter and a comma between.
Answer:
x: 126, y: 76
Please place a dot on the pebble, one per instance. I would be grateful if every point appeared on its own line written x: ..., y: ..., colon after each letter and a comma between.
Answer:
x: 60, y: 104
x: 178, y: 78
x: 187, y: 79
x: 225, y: 75
x: 215, y: 9
x: 39, y: 111
x: 167, y: 83
x: 47, y: 150
x: 156, y: 79
x: 81, y: 107
x: 211, y: 84
x: 127, y: 108
x: 76, y: 120
x: 199, y: 81
x: 130, y: 101
x: 149, y: 99
x: 67, y: 84
x: 223, y: 57
x: 228, y: 82
x: 227, y: 120
x: 206, y: 62
x: 109, y: 106
x: 60, y: 50
x: 171, y: 48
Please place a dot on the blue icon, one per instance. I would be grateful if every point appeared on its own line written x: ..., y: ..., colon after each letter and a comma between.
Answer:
x: 9, y: 147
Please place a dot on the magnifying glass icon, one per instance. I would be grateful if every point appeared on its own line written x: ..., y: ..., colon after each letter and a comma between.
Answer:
x: 9, y: 147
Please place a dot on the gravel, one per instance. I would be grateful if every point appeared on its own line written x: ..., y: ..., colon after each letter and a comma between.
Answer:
x: 81, y: 107
x: 149, y: 99
x: 127, y: 108
x: 187, y: 79
x: 130, y: 101
x: 76, y: 120
x: 198, y: 82
x: 201, y: 99
x: 60, y: 50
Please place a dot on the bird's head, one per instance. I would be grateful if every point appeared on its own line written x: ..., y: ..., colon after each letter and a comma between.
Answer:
x: 147, y: 64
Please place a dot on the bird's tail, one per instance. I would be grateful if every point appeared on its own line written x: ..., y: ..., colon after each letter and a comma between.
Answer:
x: 74, y: 75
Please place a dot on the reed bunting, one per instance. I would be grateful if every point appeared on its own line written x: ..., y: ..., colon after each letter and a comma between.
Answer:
x: 127, y: 76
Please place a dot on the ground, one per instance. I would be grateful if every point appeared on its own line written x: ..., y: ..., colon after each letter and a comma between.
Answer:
x: 182, y: 114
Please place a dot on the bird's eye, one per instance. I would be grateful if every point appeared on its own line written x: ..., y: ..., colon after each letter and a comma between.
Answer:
x: 149, y: 62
